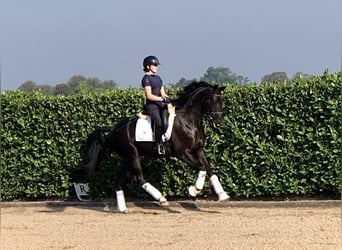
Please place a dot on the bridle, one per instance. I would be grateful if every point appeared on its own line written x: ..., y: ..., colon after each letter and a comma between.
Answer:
x: 207, y: 107
x: 210, y: 113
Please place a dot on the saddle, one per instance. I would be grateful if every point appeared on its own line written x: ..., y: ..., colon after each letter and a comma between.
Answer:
x: 164, y: 118
x: 168, y: 114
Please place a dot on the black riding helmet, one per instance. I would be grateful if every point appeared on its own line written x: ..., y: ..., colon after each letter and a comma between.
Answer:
x: 150, y: 60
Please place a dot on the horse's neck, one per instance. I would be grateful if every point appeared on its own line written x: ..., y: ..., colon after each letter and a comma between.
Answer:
x: 194, y: 109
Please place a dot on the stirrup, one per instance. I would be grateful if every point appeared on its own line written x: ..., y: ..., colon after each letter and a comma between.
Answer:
x: 161, y: 149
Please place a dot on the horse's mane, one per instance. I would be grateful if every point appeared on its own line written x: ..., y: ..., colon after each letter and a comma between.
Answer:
x: 188, y: 90
x: 195, y: 85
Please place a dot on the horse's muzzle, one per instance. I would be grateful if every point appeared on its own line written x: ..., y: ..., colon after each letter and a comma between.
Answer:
x: 216, y: 121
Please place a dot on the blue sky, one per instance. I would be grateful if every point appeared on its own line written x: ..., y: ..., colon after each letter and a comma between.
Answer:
x: 50, y: 41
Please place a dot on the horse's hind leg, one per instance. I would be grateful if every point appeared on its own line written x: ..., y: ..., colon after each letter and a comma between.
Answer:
x: 120, y: 197
x: 151, y: 190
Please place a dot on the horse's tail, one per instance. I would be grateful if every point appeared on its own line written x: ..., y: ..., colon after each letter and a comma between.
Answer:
x: 95, y: 151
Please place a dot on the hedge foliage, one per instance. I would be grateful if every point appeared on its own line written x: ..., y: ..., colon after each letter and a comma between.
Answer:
x: 277, y: 139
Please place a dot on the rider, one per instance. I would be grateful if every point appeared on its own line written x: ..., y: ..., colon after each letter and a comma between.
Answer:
x: 155, y: 97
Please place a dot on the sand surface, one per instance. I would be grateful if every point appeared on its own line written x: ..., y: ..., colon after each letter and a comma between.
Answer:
x: 170, y: 228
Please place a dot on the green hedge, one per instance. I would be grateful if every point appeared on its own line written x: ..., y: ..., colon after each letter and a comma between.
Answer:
x: 277, y: 139
x: 283, y: 139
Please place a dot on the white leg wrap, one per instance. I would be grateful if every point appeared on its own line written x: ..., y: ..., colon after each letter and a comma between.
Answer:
x: 120, y: 201
x: 218, y: 188
x: 216, y: 184
x: 152, y: 191
x: 200, y: 179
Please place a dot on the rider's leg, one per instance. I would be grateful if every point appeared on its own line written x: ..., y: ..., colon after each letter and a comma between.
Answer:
x: 154, y: 112
x: 164, y: 118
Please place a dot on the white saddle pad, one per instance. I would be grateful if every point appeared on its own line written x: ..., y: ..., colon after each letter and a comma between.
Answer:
x: 143, y: 130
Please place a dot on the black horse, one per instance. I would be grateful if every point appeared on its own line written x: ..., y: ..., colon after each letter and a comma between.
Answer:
x: 186, y: 142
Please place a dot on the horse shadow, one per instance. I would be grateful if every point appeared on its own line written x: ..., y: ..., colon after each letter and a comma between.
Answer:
x: 142, y: 207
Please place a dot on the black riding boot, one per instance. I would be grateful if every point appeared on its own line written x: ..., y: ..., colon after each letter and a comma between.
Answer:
x: 160, y: 147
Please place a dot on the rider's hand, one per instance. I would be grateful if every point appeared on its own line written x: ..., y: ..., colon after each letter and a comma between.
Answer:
x: 166, y: 100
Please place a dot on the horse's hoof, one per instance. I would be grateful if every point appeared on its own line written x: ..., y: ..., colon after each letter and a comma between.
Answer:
x: 193, y: 191
x: 126, y: 211
x: 163, y: 202
x: 223, y: 196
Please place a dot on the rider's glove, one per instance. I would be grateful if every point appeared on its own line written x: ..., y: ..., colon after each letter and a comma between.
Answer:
x: 166, y: 100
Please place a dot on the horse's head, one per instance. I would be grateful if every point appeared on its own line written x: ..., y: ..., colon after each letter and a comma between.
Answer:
x: 203, y: 98
x: 212, y: 106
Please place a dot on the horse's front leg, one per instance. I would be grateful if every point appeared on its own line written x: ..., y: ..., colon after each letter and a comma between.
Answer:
x: 200, y: 161
x: 222, y: 195
x: 194, y: 190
